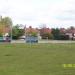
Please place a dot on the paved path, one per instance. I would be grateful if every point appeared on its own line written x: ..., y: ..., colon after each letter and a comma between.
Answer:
x: 44, y: 41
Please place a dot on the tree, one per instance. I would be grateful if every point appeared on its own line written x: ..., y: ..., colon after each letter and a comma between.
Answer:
x: 56, y: 33
x: 5, y: 25
x: 0, y: 34
x: 72, y: 28
x: 6, y: 21
x: 17, y: 32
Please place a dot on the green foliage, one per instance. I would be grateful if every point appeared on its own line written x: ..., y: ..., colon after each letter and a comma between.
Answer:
x: 47, y: 36
x: 0, y: 34
x: 56, y: 33
x: 7, y: 21
x: 34, y: 34
x: 58, y: 36
x: 17, y: 32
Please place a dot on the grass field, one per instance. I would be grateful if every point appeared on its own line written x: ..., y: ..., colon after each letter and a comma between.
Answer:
x: 38, y: 59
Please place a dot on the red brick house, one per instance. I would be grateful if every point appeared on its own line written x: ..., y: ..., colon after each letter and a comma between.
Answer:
x: 31, y: 30
x: 62, y: 30
x: 70, y: 32
x: 45, y: 33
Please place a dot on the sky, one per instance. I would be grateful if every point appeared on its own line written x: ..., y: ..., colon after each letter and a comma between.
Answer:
x: 53, y: 13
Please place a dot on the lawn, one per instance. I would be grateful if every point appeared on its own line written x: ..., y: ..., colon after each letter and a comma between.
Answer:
x: 37, y: 59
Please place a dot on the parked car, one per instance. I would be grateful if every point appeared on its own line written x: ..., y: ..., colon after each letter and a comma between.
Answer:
x: 5, y: 39
x: 1, y: 39
x: 22, y: 37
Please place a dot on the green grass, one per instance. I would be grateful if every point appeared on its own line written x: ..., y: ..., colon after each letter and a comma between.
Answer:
x: 38, y: 59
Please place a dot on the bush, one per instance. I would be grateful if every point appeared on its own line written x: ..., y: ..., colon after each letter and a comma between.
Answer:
x: 0, y: 35
x: 47, y: 36
x: 34, y: 34
x: 14, y: 37
x: 16, y: 32
x: 64, y: 37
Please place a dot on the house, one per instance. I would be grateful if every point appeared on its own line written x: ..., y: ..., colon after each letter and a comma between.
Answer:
x: 45, y: 33
x: 71, y: 33
x: 45, y: 30
x: 62, y: 30
x: 30, y: 30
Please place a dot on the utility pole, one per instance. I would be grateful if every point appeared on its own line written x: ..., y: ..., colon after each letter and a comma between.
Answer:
x: 11, y: 33
x: 25, y: 31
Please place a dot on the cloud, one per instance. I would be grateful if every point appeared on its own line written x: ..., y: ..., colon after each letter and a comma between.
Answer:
x: 66, y: 15
x: 54, y: 13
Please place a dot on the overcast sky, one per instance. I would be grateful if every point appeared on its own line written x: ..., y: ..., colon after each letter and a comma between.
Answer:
x: 54, y: 13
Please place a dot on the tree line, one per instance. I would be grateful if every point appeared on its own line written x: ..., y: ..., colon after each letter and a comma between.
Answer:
x: 46, y: 33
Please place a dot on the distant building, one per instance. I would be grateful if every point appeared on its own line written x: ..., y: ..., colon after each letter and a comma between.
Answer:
x: 45, y: 33
x: 30, y: 30
x: 71, y: 33
x: 62, y: 30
